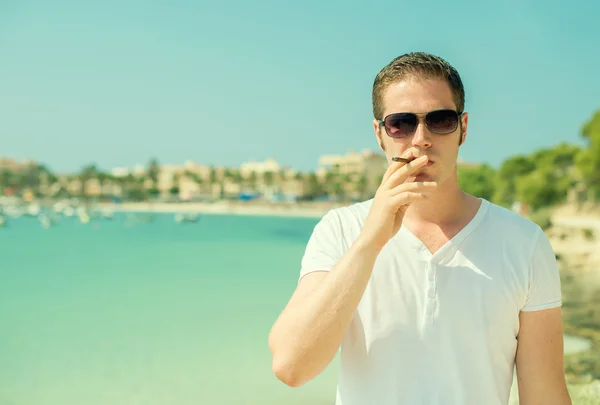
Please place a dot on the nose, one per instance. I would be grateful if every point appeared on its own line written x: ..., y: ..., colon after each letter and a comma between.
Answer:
x: 421, y: 137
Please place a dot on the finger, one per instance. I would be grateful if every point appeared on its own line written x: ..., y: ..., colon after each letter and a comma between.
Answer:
x: 390, y: 170
x: 400, y: 174
x: 407, y: 198
x: 424, y: 187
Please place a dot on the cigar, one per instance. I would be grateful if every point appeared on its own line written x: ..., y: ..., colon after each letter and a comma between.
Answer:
x: 401, y: 159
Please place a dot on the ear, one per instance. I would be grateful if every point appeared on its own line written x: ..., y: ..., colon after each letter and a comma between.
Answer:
x: 463, y: 127
x: 377, y: 129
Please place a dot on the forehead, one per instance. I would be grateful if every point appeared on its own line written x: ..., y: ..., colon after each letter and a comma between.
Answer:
x: 417, y: 95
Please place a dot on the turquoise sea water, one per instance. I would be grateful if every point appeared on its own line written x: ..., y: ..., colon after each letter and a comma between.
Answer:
x: 152, y: 313
x: 115, y: 313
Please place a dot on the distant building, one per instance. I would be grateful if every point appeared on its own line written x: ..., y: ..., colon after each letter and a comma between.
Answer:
x: 259, y: 168
x: 202, y: 171
x: 366, y: 161
x: 355, y: 165
x: 138, y: 170
x: 168, y: 178
x: 93, y: 188
x: 120, y: 171
x: 13, y: 165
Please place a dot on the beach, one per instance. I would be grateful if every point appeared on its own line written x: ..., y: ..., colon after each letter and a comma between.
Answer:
x: 293, y: 209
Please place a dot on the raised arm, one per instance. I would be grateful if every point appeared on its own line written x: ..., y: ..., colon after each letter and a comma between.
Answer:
x: 309, y: 331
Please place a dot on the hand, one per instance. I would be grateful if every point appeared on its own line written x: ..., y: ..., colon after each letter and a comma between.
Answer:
x: 391, y: 201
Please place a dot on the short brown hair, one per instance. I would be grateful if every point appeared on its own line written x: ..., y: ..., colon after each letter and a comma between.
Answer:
x: 421, y: 65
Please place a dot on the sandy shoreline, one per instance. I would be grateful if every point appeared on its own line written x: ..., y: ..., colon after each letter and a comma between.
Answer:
x: 310, y: 210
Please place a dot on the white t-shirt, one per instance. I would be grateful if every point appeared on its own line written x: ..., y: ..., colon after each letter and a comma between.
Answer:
x: 438, y: 329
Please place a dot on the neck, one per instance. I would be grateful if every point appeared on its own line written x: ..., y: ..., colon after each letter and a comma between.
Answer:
x: 447, y: 205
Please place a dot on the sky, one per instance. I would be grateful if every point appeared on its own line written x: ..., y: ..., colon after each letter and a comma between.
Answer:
x: 116, y: 83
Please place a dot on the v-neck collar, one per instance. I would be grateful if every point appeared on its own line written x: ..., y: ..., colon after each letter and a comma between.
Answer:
x: 450, y: 247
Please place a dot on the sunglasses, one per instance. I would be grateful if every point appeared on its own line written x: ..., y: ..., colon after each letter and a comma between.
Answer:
x: 402, y: 125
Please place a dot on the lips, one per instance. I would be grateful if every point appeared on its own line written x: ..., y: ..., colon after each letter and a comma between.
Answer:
x: 411, y: 158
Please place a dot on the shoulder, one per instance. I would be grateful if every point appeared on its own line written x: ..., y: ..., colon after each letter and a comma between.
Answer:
x: 509, y: 223
x: 332, y: 235
x: 521, y: 245
x: 350, y: 214
x: 511, y: 237
x: 346, y: 221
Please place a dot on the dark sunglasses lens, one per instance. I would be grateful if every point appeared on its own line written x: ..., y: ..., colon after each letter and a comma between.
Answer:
x: 442, y: 122
x: 400, y: 125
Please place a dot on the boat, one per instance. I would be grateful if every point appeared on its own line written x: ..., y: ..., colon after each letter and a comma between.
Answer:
x: 187, y: 217
x: 45, y: 221
x: 107, y: 213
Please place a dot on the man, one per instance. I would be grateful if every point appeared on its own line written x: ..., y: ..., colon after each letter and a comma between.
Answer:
x: 432, y: 295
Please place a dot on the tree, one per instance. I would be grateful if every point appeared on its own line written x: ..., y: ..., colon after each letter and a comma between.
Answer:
x: 87, y: 172
x: 128, y: 184
x: 102, y: 178
x: 11, y: 179
x: 45, y: 178
x: 505, y: 179
x: 252, y: 181
x: 174, y: 190
x: 31, y: 175
x: 362, y: 186
x: 588, y: 161
x: 6, y: 178
x: 477, y: 180
x: 559, y: 158
x: 338, y: 190
x: 556, y: 165
x: 314, y: 188
x: 268, y: 178
x: 153, y: 171
x: 332, y: 183
x: 538, y: 189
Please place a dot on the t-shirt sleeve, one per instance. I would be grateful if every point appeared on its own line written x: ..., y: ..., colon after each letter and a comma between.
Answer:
x: 544, y: 277
x: 324, y: 247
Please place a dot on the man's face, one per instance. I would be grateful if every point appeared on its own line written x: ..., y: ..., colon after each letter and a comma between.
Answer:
x: 422, y: 96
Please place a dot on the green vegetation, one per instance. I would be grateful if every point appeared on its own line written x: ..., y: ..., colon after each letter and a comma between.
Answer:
x: 589, y: 234
x: 543, y: 178
x: 581, y: 317
x: 543, y: 218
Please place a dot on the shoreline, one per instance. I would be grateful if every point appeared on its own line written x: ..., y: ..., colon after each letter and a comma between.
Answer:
x: 308, y: 210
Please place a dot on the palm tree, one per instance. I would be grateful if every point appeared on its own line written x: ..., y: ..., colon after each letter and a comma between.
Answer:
x: 175, y: 185
x: 331, y: 181
x: 152, y: 172
x: 128, y: 183
x: 5, y: 178
x: 212, y: 179
x: 88, y: 172
x: 312, y: 188
x: 252, y: 181
x: 361, y: 186
x: 11, y: 179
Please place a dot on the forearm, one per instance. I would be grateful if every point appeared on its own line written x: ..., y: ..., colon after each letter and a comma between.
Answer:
x: 556, y: 397
x: 540, y: 358
x: 306, y: 337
